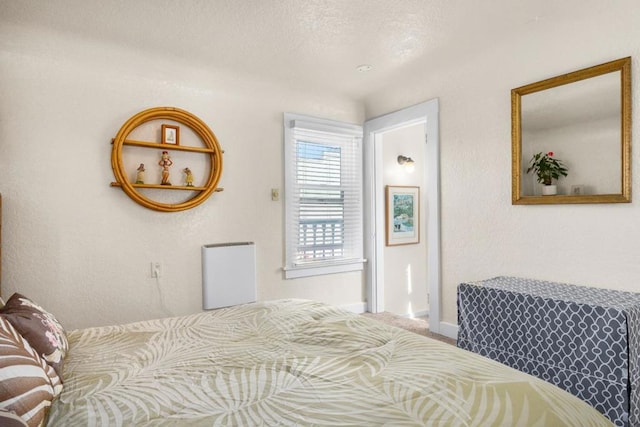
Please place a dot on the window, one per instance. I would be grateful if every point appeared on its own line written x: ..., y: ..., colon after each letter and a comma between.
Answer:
x: 323, y: 196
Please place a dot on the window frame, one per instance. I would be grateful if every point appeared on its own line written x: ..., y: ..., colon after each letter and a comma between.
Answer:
x: 353, y: 263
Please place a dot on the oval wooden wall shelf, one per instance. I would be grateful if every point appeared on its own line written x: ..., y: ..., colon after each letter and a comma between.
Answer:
x: 211, y: 149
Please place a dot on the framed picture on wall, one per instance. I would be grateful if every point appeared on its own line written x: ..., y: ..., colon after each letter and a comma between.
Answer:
x: 402, y: 215
x: 171, y: 134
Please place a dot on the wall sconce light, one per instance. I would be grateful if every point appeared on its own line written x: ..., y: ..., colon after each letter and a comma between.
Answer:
x: 407, y: 162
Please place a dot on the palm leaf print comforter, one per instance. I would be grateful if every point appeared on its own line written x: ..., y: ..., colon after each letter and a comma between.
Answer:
x: 294, y: 363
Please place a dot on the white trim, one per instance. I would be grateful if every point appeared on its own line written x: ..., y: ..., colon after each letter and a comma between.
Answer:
x: 447, y: 329
x: 421, y: 313
x: 357, y: 307
x: 323, y: 125
x: 428, y: 113
x: 306, y: 271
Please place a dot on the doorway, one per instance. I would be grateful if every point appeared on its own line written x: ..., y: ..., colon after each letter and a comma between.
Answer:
x: 425, y: 114
x: 404, y: 286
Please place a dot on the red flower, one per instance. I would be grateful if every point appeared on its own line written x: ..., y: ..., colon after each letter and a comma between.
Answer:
x: 550, y: 153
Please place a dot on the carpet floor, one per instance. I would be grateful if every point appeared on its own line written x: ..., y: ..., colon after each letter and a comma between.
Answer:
x: 418, y: 326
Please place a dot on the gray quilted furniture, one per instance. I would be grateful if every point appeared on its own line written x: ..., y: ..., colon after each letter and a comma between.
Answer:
x: 584, y: 340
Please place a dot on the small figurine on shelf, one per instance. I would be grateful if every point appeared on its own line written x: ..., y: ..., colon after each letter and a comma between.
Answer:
x: 165, y: 162
x: 189, y: 177
x: 140, y: 174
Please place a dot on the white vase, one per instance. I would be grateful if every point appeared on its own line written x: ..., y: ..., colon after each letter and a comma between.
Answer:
x: 549, y: 190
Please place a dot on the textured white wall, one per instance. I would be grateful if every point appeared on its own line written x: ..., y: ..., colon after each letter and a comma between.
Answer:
x: 405, y: 267
x: 82, y: 248
x: 483, y: 235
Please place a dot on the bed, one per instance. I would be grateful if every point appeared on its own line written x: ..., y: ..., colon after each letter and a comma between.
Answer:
x: 293, y: 363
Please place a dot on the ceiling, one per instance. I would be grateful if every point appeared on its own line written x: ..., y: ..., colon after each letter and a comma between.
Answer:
x: 298, y: 42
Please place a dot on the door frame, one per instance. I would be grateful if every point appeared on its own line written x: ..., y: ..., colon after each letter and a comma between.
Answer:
x: 374, y: 203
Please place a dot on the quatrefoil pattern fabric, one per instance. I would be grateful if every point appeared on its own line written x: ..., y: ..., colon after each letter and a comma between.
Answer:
x: 584, y: 340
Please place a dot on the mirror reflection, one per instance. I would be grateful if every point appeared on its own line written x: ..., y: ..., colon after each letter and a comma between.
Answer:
x: 580, y: 121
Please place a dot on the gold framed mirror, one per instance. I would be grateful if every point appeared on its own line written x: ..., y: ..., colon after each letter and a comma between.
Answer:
x: 582, y: 122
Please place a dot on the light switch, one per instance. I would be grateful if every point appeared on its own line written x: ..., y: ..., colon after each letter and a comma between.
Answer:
x: 275, y: 194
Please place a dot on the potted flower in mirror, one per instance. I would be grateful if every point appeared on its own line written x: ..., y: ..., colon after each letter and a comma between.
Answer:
x: 547, y: 169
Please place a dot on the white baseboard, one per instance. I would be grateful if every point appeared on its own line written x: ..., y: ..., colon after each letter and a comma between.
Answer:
x: 357, y: 307
x: 421, y: 313
x: 448, y: 330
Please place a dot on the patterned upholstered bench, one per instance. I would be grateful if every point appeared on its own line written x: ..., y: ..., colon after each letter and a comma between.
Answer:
x: 582, y: 339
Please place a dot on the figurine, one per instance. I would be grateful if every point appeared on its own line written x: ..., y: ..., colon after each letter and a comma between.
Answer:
x: 140, y: 174
x: 165, y: 162
x: 189, y: 177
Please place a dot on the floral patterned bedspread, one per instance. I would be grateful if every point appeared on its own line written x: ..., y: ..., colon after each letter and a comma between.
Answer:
x: 294, y: 363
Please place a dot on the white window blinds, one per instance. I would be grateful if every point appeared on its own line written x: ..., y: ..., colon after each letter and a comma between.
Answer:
x: 323, y: 168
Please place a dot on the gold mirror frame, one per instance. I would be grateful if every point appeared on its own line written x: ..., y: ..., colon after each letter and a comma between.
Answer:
x: 624, y: 66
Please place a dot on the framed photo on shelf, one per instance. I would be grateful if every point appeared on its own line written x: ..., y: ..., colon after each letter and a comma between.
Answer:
x: 171, y: 134
x: 402, y: 215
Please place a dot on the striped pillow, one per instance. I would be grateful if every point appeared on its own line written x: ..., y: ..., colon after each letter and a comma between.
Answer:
x: 27, y: 383
x: 9, y: 419
x: 36, y: 325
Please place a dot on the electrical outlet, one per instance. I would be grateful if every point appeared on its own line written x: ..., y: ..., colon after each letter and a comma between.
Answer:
x: 156, y: 270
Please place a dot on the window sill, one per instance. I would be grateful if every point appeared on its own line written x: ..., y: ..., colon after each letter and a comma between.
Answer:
x: 296, y: 272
